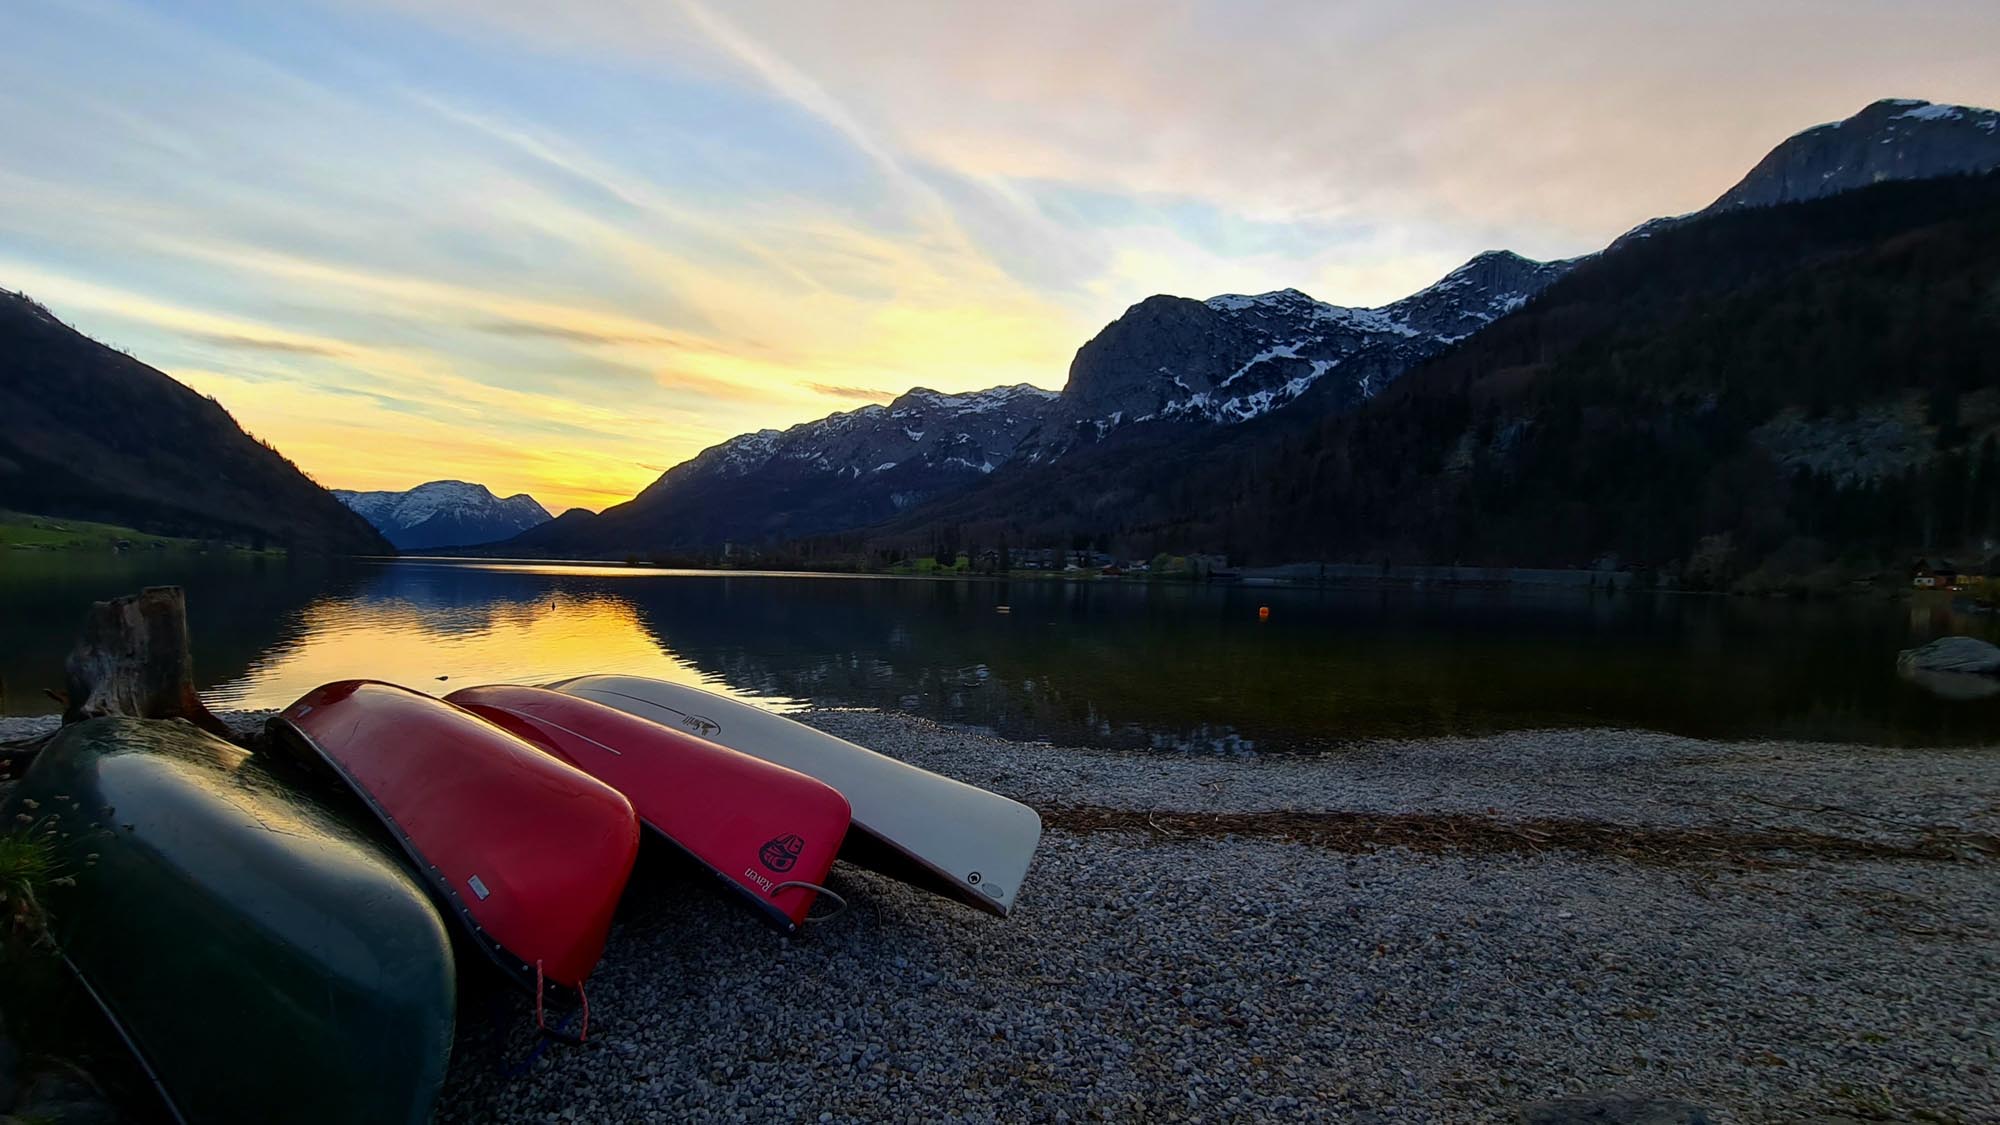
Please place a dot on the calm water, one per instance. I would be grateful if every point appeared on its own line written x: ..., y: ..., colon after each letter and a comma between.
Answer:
x: 1106, y: 663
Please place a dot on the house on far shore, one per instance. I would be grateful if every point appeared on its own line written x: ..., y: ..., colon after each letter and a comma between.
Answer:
x: 1979, y: 577
x: 1934, y: 575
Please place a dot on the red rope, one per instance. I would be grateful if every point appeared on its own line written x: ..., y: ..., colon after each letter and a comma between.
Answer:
x: 540, y: 1024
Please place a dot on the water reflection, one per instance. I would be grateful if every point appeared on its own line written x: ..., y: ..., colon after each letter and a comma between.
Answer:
x: 240, y: 607
x: 1131, y: 664
x: 427, y: 625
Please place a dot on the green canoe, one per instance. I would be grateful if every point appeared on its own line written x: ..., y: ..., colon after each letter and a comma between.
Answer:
x: 266, y: 959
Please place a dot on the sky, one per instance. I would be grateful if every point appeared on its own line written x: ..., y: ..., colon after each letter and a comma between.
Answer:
x: 558, y: 248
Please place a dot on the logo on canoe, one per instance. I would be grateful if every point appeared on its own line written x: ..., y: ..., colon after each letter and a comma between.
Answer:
x: 781, y: 853
x: 700, y: 725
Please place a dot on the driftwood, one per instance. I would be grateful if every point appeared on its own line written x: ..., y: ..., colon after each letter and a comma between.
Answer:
x: 133, y: 660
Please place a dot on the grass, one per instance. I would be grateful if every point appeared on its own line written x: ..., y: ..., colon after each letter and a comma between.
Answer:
x: 28, y: 867
x: 47, y: 533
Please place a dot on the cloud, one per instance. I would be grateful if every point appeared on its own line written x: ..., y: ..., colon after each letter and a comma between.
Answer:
x: 574, y: 334
x: 1552, y: 127
x: 265, y: 344
x: 837, y: 390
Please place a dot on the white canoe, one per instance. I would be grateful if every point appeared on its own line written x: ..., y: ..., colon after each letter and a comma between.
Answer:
x: 943, y: 835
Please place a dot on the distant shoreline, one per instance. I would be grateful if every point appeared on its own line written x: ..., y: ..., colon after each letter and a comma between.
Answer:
x: 1302, y: 576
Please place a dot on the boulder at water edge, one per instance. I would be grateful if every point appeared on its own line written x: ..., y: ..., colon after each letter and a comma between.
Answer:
x: 1951, y: 654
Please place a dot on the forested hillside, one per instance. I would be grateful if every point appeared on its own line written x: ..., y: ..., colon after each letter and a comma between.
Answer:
x: 1786, y: 387
x: 91, y: 433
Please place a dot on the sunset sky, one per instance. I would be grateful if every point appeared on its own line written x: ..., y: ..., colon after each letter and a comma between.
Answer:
x: 559, y: 247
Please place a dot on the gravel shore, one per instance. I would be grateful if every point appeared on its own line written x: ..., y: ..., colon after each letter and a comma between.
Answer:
x: 1160, y: 970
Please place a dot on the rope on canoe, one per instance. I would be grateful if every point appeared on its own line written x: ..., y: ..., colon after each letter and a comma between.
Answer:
x: 541, y: 1021
x: 840, y: 906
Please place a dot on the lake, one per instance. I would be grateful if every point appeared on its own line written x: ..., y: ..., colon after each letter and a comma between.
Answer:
x: 1109, y: 662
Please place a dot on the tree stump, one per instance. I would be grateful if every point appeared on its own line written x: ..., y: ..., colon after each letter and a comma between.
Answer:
x: 133, y: 660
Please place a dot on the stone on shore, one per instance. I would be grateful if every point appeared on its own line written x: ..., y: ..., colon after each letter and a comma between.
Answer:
x: 1957, y: 686
x: 1951, y: 654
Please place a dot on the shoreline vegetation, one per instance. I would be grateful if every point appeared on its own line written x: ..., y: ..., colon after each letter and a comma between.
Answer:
x: 28, y: 532
x: 22, y: 532
x: 25, y: 532
x: 1454, y: 929
x: 1180, y: 569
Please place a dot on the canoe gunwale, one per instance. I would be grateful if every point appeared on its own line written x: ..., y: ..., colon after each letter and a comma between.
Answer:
x: 766, y: 909
x: 125, y: 1035
x: 951, y: 886
x: 521, y: 972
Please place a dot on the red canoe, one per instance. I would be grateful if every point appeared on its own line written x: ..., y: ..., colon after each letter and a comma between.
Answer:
x: 530, y: 854
x: 769, y: 832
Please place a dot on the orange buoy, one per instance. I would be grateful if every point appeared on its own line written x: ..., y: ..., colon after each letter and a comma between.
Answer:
x: 1263, y: 613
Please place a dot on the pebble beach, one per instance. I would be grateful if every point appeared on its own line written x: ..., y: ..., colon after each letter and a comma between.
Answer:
x: 1437, y: 930
x: 1157, y: 970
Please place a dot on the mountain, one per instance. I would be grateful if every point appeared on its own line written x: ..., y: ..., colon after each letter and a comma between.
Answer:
x: 1796, y: 393
x: 1232, y: 358
x: 445, y: 513
x: 1890, y: 140
x: 1169, y: 363
x: 1893, y: 139
x: 1177, y: 390
x: 91, y: 433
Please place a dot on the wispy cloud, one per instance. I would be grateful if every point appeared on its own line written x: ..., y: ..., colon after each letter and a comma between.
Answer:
x: 265, y: 344
x: 574, y: 334
x: 866, y: 394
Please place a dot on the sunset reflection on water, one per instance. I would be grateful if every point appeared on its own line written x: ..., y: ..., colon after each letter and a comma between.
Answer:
x: 1139, y: 665
x: 440, y: 645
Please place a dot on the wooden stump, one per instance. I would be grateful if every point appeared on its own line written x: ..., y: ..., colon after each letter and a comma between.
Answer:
x: 133, y: 660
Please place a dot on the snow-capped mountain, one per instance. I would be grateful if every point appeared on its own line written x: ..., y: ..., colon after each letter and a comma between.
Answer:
x: 445, y: 513
x: 1893, y: 139
x: 1166, y: 361
x: 1226, y: 359
x: 1233, y: 357
x: 974, y: 432
x: 1177, y: 362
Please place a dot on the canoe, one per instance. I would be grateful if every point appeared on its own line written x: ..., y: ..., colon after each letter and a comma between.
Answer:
x: 768, y: 832
x: 266, y: 958
x: 943, y: 835
x: 528, y: 853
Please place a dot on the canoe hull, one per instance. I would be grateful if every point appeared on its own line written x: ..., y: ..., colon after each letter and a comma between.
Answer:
x: 944, y: 835
x: 292, y: 970
x: 528, y: 853
x: 770, y: 833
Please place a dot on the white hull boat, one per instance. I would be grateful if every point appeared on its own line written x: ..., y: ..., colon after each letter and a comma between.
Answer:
x: 943, y: 835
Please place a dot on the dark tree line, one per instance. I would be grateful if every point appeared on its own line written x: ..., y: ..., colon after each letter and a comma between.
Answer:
x: 1788, y: 388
